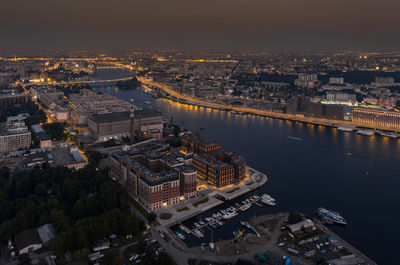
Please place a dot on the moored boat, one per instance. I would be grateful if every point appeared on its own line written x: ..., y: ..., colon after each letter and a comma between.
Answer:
x: 331, y: 215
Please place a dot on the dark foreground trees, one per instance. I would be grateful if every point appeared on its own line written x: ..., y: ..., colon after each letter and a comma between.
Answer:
x: 84, y: 205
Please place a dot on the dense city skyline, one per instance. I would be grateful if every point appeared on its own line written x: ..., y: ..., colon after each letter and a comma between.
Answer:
x: 294, y: 25
x: 212, y: 132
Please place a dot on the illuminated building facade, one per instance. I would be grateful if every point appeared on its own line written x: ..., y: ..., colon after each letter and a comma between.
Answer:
x: 156, y: 180
x: 215, y: 172
x: 377, y: 118
x: 217, y: 167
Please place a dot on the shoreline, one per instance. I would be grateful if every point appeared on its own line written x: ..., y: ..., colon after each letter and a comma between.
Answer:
x: 176, y: 97
x: 256, y: 180
x: 250, y: 246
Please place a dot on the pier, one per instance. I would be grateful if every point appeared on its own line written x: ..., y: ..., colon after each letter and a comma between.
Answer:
x: 256, y: 179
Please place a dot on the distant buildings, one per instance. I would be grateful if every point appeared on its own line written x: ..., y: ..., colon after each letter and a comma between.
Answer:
x: 88, y: 102
x: 384, y: 82
x: 44, y: 139
x: 306, y: 80
x: 47, y: 96
x: 146, y: 123
x: 14, y: 136
x: 341, y: 97
x: 303, y: 106
x: 11, y: 99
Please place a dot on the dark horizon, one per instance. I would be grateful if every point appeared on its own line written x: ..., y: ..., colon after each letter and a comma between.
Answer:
x: 293, y: 25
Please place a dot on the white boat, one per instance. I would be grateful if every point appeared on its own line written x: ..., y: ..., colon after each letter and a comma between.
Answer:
x: 267, y: 197
x: 211, y: 244
x: 196, y: 225
x: 185, y: 229
x: 268, y: 202
x: 346, y: 129
x: 366, y: 133
x: 229, y: 215
x: 208, y: 219
x: 198, y: 233
x: 201, y: 223
x: 245, y: 207
x: 391, y: 135
x: 180, y: 235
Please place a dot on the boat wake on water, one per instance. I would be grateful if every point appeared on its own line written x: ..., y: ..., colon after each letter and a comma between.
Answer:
x: 294, y: 138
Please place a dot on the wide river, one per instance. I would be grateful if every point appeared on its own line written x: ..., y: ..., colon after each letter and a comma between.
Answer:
x: 356, y: 175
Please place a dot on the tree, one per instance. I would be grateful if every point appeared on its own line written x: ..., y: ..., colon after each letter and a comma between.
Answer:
x: 295, y: 218
x: 151, y: 217
x: 81, y: 254
x: 25, y: 259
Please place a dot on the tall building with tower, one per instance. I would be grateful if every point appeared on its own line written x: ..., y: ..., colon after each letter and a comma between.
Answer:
x: 131, y: 117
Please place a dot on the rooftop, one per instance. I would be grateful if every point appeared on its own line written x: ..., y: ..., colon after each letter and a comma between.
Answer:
x: 119, y: 116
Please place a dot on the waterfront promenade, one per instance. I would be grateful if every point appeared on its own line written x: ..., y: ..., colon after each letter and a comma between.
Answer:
x: 187, y: 209
x: 259, y: 112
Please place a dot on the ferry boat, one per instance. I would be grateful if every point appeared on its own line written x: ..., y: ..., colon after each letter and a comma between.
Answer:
x: 245, y: 207
x: 229, y: 215
x: 331, y: 215
x: 180, y: 235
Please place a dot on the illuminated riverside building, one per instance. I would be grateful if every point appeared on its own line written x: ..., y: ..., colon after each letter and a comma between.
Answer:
x: 156, y: 180
x: 194, y: 144
x: 115, y: 125
x: 159, y: 190
x: 217, y: 167
x: 377, y: 118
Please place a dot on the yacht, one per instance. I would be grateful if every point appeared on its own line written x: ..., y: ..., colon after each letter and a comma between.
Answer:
x: 366, y: 133
x: 198, y: 233
x: 185, y: 229
x: 180, y: 235
x: 229, y: 215
x: 331, y: 215
x: 268, y: 200
x: 245, y: 207
x: 211, y: 244
x: 219, y: 222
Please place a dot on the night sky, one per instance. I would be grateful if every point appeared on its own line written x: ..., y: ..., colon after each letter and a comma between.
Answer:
x: 220, y: 24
